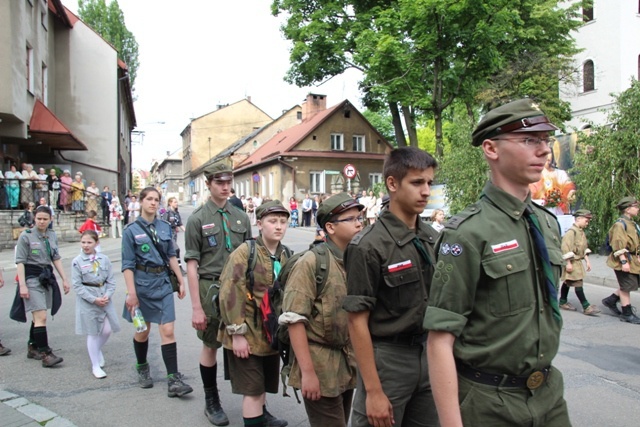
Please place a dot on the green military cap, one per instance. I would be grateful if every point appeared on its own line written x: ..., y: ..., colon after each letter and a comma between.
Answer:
x: 627, y: 202
x: 583, y: 212
x: 220, y: 171
x: 273, y: 206
x: 522, y: 115
x: 335, y: 205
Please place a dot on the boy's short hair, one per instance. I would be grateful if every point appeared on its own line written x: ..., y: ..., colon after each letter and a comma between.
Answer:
x: 400, y: 160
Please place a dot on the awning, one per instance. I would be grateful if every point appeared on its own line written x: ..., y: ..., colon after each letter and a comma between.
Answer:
x: 45, y: 127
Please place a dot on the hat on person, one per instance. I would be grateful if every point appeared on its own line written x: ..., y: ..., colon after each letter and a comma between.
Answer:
x: 583, y: 212
x: 522, y: 115
x: 67, y: 171
x: 220, y: 171
x: 271, y: 207
x: 627, y: 202
x: 335, y: 205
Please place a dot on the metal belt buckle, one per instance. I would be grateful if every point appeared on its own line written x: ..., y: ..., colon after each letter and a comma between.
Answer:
x: 535, y: 380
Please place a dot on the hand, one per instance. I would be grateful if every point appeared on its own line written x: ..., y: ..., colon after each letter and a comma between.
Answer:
x: 131, y: 302
x: 101, y: 302
x: 182, y: 292
x: 311, y: 386
x: 24, y: 292
x: 569, y: 267
x: 588, y: 266
x: 65, y: 287
x: 379, y: 410
x: 241, y: 347
x: 198, y: 319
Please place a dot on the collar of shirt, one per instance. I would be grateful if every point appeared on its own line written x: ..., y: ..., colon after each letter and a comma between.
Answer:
x: 335, y: 250
x: 214, y: 208
x: 279, y: 250
x: 401, y: 233
x: 504, y: 201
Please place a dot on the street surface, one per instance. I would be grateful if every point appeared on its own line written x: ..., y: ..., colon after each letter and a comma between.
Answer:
x: 599, y: 358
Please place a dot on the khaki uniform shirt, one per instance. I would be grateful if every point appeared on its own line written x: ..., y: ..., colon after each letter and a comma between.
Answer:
x: 204, y: 236
x: 488, y: 289
x: 574, y: 249
x: 325, y: 320
x: 621, y: 239
x: 235, y: 306
x: 387, y: 276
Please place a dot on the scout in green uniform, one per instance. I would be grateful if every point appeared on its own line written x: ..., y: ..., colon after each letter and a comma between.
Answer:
x: 214, y: 230
x: 493, y: 317
x: 389, y: 267
x: 324, y: 364
x: 574, y: 250
x: 624, y: 259
x: 253, y: 365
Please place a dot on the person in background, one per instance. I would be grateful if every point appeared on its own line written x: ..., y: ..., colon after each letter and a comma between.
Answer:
x: 77, y: 195
x: 172, y: 216
x: 146, y: 244
x: 42, y: 188
x: 29, y: 179
x: 27, y: 219
x: 93, y: 192
x: 116, y: 215
x: 307, y: 210
x: 233, y: 199
x: 371, y: 210
x: 105, y: 202
x: 134, y: 209
x: 251, y: 211
x: 12, y: 186
x: 36, y: 252
x: 53, y: 183
x: 437, y: 220
x: 65, y: 190
x: 94, y: 284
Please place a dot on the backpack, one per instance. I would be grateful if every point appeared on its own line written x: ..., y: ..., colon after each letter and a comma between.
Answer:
x: 607, y: 242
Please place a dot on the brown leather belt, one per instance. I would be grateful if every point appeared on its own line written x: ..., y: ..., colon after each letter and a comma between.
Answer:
x: 146, y: 269
x: 532, y: 382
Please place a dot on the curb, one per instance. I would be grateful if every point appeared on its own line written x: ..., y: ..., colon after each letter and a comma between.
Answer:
x: 18, y: 411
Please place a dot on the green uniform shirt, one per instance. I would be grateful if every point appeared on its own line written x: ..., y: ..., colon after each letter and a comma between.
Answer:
x: 204, y: 236
x: 624, y: 237
x: 325, y: 320
x: 387, y: 275
x: 574, y: 242
x: 488, y: 289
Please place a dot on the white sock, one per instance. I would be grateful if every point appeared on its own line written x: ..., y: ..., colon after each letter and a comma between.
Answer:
x: 95, y: 343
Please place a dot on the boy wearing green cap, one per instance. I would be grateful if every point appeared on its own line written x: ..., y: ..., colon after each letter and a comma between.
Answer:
x: 574, y: 250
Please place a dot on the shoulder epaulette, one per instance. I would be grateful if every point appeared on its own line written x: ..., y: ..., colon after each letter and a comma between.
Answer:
x: 455, y: 221
x: 127, y: 226
x: 356, y: 239
x: 544, y: 209
x: 197, y: 209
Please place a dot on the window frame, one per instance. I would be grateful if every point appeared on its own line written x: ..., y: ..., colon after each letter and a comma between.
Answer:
x: 359, y: 141
x: 334, y: 137
x: 317, y: 181
x: 588, y: 76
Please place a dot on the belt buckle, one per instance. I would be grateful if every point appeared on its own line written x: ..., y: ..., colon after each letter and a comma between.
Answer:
x: 535, y: 380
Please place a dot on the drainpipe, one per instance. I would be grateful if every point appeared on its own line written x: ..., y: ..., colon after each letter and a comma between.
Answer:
x: 293, y: 174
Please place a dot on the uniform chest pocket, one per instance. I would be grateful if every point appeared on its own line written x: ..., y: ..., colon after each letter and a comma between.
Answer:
x: 211, y: 237
x: 402, y: 289
x: 511, y: 290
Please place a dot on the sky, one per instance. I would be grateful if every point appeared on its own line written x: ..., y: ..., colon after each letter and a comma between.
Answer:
x: 197, y: 54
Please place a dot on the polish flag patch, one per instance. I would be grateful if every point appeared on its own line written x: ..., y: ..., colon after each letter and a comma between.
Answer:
x: 400, y: 266
x: 506, y: 246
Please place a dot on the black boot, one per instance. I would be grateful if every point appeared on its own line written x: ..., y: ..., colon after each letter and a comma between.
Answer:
x: 611, y: 303
x: 213, y: 409
x: 629, y: 316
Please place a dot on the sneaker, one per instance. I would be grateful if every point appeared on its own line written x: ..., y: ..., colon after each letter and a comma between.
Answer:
x: 612, y: 305
x: 567, y: 306
x: 144, y: 376
x: 33, y: 353
x: 49, y: 359
x: 272, y: 421
x: 4, y: 350
x: 99, y: 373
x: 592, y: 310
x: 177, y: 387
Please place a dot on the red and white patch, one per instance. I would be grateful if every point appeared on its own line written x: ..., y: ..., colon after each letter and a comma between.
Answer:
x: 400, y: 266
x: 139, y: 236
x: 506, y: 246
x: 208, y: 226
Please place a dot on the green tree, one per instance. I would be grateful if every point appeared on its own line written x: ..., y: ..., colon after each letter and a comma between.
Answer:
x: 607, y: 164
x: 382, y: 123
x: 108, y: 21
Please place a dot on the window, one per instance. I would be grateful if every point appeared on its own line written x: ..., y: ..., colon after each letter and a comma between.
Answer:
x: 30, y: 81
x: 270, y: 184
x: 358, y: 142
x: 299, y: 115
x: 587, y: 13
x: 337, y: 141
x: 588, y: 79
x: 45, y: 84
x: 375, y: 178
x: 317, y: 182
x: 263, y: 190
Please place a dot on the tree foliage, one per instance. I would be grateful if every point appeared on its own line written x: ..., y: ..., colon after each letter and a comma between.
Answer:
x: 607, y: 164
x: 108, y: 21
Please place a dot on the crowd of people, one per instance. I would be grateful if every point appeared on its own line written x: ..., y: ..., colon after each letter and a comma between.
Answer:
x: 400, y: 322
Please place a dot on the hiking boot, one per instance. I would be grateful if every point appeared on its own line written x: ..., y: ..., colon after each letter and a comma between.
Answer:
x: 212, y: 408
x: 611, y: 303
x: 567, y: 306
x: 272, y: 421
x: 4, y: 350
x: 177, y: 387
x: 144, y: 376
x: 49, y: 359
x: 628, y: 315
x: 592, y: 310
x: 33, y: 353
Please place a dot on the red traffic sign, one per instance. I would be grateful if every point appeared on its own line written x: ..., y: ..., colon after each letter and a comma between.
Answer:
x: 350, y: 171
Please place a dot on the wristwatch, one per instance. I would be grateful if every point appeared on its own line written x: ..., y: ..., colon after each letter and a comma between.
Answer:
x: 623, y: 261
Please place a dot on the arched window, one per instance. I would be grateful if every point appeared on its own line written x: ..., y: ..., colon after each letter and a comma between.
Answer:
x: 588, y: 79
x: 587, y: 13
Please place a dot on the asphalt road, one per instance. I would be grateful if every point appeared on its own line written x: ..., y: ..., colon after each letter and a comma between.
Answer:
x: 599, y: 357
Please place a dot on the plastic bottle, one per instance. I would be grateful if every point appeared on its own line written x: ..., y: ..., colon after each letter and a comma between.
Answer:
x: 138, y: 320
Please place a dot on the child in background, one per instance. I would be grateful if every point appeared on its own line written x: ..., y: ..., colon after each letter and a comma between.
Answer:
x: 91, y: 224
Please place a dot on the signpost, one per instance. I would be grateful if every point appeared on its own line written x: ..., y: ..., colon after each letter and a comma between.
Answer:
x: 350, y: 172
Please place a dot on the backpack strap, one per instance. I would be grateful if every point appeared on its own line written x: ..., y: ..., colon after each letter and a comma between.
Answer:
x: 322, y: 267
x: 250, y: 280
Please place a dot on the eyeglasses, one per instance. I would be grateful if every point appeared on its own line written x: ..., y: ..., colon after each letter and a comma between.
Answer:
x: 348, y: 219
x: 529, y: 141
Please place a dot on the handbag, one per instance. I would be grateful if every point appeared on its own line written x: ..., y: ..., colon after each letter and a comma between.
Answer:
x: 175, y: 285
